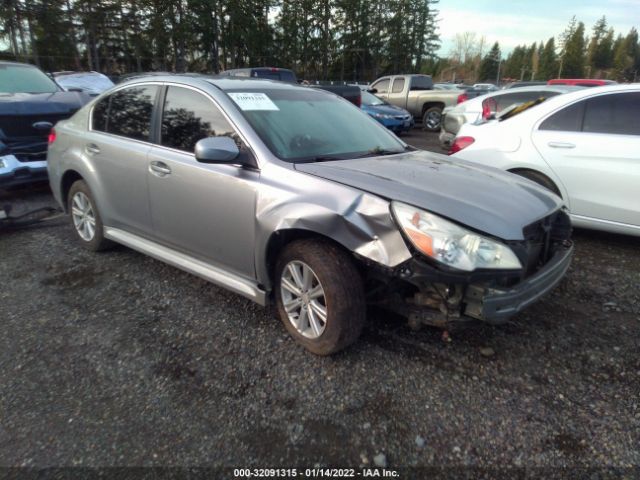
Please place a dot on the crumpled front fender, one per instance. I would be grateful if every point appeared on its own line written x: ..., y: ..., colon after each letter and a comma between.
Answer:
x: 359, y: 221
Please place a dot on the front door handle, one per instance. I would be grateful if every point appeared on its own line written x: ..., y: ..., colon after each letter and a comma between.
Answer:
x: 92, y: 149
x: 160, y: 169
x: 561, y: 145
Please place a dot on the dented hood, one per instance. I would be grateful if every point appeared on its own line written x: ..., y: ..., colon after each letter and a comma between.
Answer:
x: 483, y: 198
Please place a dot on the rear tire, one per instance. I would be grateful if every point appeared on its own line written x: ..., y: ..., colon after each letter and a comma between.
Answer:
x: 540, y: 179
x: 328, y: 285
x: 85, y: 218
x: 432, y: 119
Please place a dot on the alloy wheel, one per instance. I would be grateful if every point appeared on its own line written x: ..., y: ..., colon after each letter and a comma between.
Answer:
x: 83, y: 216
x: 433, y: 120
x: 304, y: 299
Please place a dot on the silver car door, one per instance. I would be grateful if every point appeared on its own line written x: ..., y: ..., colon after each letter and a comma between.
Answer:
x: 203, y: 210
x: 117, y: 144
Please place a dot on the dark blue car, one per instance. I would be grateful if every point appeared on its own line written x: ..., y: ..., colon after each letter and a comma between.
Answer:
x: 394, y: 118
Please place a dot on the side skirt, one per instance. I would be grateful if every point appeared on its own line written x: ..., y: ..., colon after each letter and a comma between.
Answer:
x: 189, y: 264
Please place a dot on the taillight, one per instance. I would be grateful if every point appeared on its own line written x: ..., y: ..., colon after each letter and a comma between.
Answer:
x: 460, y: 143
x: 462, y: 98
x: 489, y: 106
x: 486, y: 111
x: 52, y: 136
x: 358, y: 101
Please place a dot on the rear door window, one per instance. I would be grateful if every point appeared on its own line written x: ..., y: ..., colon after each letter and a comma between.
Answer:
x: 615, y: 113
x: 130, y: 112
x: 189, y: 116
x: 398, y: 85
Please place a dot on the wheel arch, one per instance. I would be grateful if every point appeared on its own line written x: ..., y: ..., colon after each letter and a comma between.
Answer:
x: 279, y: 239
x: 427, y: 105
x: 68, y: 178
x: 522, y: 171
x: 362, y: 226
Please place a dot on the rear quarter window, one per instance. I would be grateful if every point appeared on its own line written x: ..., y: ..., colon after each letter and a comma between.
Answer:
x: 100, y: 114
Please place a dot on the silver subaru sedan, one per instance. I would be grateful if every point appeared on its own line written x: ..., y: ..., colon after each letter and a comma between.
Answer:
x: 293, y: 195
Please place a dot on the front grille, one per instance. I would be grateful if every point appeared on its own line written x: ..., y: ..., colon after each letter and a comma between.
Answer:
x: 541, y: 240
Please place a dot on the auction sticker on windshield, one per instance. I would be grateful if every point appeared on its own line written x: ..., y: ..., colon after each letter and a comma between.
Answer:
x: 253, y: 101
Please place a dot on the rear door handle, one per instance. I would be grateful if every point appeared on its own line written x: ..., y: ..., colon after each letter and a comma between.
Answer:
x: 561, y: 145
x: 92, y: 149
x: 160, y: 169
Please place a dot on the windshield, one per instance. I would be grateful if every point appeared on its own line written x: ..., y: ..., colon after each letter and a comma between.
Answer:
x: 25, y: 79
x: 370, y: 99
x: 305, y: 125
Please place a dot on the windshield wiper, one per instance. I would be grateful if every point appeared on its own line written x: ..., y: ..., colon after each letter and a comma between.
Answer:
x: 320, y: 158
x: 379, y: 152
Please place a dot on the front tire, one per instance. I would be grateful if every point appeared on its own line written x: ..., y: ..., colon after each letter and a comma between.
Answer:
x: 431, y: 119
x: 319, y: 296
x: 85, y: 217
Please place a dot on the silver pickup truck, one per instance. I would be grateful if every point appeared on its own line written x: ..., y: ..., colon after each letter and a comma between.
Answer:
x: 415, y: 93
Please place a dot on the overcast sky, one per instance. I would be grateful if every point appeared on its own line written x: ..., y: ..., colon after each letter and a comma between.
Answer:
x: 514, y: 22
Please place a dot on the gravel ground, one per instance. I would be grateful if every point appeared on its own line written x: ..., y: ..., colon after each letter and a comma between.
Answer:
x: 117, y: 359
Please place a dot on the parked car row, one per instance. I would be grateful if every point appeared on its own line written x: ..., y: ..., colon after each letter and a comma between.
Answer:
x: 290, y: 195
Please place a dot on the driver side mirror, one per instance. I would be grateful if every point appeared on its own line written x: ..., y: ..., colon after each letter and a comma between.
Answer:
x: 217, y: 150
x: 373, y: 90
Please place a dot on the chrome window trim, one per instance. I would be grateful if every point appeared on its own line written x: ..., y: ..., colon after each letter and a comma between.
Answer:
x: 160, y: 83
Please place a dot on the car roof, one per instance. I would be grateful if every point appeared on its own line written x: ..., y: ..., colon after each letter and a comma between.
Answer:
x: 223, y: 83
x: 20, y: 64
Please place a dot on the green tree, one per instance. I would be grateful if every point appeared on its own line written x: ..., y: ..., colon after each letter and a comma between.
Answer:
x: 572, y: 58
x: 489, y: 65
x: 626, y: 61
x: 600, y: 53
x: 548, y: 63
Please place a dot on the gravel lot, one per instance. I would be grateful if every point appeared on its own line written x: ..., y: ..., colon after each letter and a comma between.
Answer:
x: 117, y: 359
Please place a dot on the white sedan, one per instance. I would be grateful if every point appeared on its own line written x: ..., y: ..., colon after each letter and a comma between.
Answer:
x: 583, y: 145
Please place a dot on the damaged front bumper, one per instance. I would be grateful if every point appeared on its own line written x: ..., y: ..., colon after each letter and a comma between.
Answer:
x: 14, y: 172
x: 442, y: 298
x: 497, y: 305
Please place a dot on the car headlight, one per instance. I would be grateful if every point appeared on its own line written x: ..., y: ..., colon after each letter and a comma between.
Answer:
x: 382, y: 115
x: 451, y: 244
